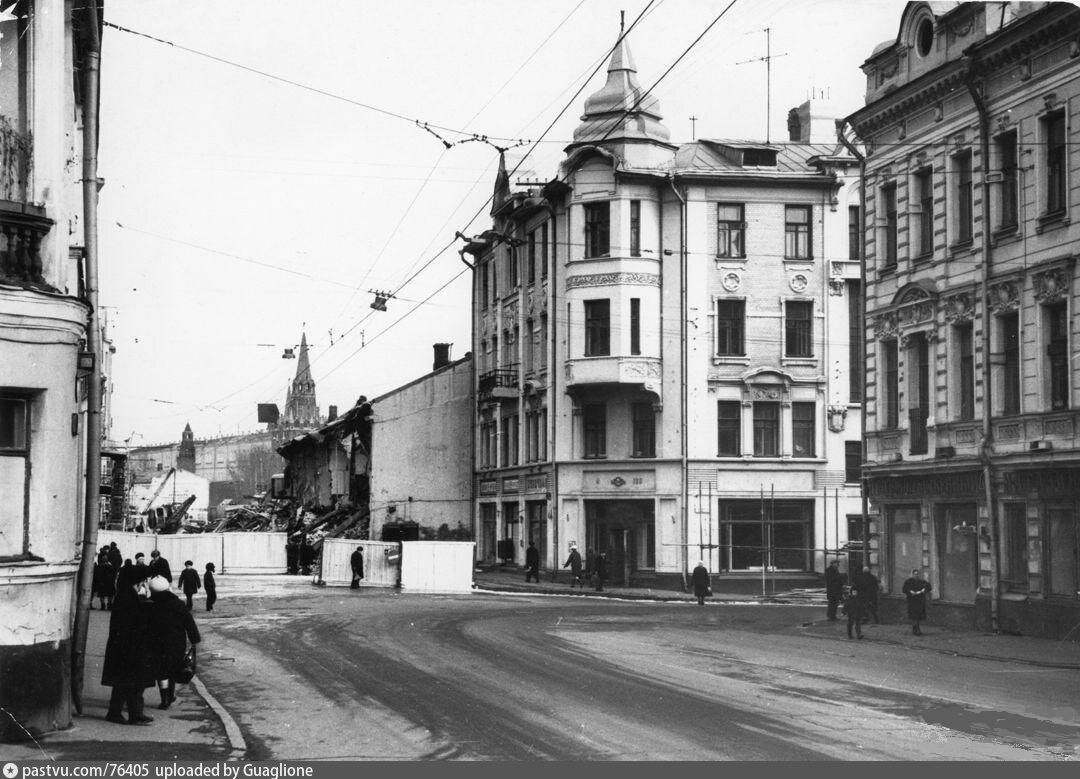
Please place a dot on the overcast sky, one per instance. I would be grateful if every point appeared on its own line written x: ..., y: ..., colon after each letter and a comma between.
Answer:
x: 216, y: 173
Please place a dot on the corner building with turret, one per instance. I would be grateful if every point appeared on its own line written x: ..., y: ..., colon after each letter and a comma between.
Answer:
x: 661, y: 339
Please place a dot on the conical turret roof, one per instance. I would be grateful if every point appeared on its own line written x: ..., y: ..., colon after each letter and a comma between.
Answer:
x: 621, y: 110
x: 303, y: 365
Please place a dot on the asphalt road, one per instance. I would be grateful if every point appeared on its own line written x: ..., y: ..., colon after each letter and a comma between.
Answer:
x: 325, y: 674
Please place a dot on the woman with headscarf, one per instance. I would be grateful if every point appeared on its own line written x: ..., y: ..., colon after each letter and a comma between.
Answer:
x: 916, y: 588
x: 127, y: 668
x: 171, y: 627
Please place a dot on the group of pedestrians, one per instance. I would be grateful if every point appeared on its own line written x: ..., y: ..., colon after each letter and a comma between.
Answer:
x: 110, y: 566
x: 595, y: 568
x: 149, y: 632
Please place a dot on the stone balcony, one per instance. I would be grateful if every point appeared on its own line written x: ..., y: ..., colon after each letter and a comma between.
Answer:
x: 22, y: 228
x: 633, y: 372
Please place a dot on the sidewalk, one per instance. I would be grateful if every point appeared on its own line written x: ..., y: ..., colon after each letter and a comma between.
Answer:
x: 188, y: 730
x: 1020, y: 649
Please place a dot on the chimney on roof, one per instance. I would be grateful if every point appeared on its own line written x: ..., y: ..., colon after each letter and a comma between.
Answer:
x: 331, y: 414
x: 812, y: 122
x: 442, y: 356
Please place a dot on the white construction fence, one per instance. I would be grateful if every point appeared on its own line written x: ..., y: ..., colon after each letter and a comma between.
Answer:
x: 417, y: 566
x: 239, y: 553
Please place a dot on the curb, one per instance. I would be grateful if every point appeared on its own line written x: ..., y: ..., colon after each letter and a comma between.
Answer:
x: 717, y: 599
x: 232, y: 730
x: 952, y: 652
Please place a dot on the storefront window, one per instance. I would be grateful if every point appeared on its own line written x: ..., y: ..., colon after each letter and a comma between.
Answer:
x: 1064, y: 546
x: 776, y: 532
x: 957, y: 552
x: 905, y: 543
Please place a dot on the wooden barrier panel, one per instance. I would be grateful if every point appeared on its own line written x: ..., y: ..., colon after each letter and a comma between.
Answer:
x: 229, y: 552
x: 437, y: 566
x: 254, y: 553
x: 382, y: 562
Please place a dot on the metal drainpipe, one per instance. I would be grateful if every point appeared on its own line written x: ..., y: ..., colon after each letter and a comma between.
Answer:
x: 475, y: 382
x: 862, y: 332
x: 553, y: 422
x: 682, y: 376
x: 986, y: 453
x: 84, y: 583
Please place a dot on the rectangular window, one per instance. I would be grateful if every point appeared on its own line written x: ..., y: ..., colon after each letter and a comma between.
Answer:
x: 14, y: 469
x: 964, y: 193
x: 775, y: 535
x: 527, y: 347
x: 1016, y: 551
x: 597, y: 229
x: 597, y: 328
x: 1057, y: 354
x: 855, y: 336
x: 924, y: 191
x: 505, y: 460
x: 512, y: 260
x: 594, y: 425
x: 494, y: 281
x: 728, y: 428
x: 852, y: 462
x: 965, y: 342
x: 513, y: 435
x: 854, y: 233
x: 644, y: 419
x: 803, y: 430
x: 1063, y: 544
x: 532, y: 257
x: 766, y: 430
x: 919, y: 400
x: 1054, y: 133
x: 1009, y: 325
x: 544, y: 250
x: 543, y: 341
x: 730, y: 327
x: 888, y: 208
x: 635, y: 228
x: 484, y: 293
x: 797, y: 232
x: 730, y: 230
x: 635, y: 325
x: 798, y: 328
x: 1010, y: 189
x: 890, y: 374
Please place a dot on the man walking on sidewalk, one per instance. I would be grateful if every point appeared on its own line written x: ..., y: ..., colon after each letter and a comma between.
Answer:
x: 356, y: 562
x: 189, y: 581
x: 600, y: 569
x: 573, y: 562
x: 532, y: 563
x: 834, y: 588
x: 868, y: 586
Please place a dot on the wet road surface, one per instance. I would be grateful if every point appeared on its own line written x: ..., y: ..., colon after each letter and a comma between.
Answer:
x: 325, y: 674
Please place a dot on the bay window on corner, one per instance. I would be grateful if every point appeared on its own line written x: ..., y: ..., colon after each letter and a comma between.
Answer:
x: 597, y: 229
x: 597, y: 327
x: 635, y: 228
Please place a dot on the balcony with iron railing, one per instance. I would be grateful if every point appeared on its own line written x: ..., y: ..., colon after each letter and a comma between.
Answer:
x: 498, y: 383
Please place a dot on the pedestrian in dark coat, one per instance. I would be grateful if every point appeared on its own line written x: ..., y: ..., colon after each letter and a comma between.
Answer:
x: 357, y: 564
x: 853, y: 607
x: 127, y: 667
x: 532, y: 563
x: 171, y: 627
x: 868, y: 587
x: 142, y: 570
x: 210, y: 587
x: 159, y: 566
x: 834, y: 588
x: 700, y: 580
x: 104, y: 581
x: 600, y: 569
x: 189, y: 581
x: 916, y: 589
x: 115, y: 558
x: 573, y: 562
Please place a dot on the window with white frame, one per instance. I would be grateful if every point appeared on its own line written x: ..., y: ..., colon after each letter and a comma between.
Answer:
x: 1055, y: 162
x: 730, y: 230
x: 963, y: 197
x: 730, y: 328
x: 14, y: 474
x: 924, y: 217
x: 797, y: 233
x: 1056, y: 318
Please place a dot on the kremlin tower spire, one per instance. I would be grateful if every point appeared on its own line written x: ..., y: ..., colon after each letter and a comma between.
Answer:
x: 301, y: 409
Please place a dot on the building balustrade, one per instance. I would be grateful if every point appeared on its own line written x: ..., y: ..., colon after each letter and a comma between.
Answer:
x: 499, y: 383
x: 22, y: 228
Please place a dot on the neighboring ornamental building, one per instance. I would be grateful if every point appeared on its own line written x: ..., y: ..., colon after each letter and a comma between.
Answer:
x: 661, y: 339
x: 973, y: 227
x: 43, y: 320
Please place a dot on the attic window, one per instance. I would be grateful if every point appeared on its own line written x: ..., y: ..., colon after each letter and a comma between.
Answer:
x: 759, y: 157
x: 924, y: 37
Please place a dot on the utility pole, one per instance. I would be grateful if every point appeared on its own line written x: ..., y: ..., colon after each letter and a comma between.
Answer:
x: 767, y: 59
